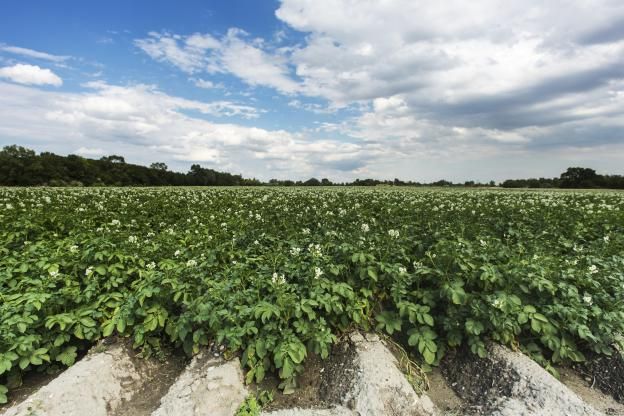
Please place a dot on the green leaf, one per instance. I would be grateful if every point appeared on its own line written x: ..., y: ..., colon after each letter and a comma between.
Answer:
x: 372, y: 274
x: 429, y: 356
x: 474, y: 327
x: 3, y: 394
x: 261, y: 349
x: 24, y: 362
x: 297, y: 352
x: 5, y: 363
x: 108, y: 328
x: 68, y: 356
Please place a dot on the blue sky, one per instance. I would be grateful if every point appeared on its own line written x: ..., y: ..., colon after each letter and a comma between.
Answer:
x: 338, y: 89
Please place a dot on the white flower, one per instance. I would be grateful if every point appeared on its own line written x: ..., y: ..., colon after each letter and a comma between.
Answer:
x: 133, y: 239
x: 278, y: 278
x: 89, y: 271
x: 315, y: 250
x: 317, y: 272
x: 191, y: 263
x: 483, y: 243
x: 47, y: 199
x: 73, y: 249
x: 365, y: 228
x: 305, y: 231
x: 587, y: 299
x: 151, y: 266
x: 115, y: 222
x: 606, y: 238
x: 393, y: 233
x: 177, y: 253
x: 53, y: 273
x: 402, y: 270
x: 593, y: 269
x: 295, y: 251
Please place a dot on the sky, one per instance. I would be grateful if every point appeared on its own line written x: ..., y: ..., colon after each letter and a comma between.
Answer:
x: 293, y: 89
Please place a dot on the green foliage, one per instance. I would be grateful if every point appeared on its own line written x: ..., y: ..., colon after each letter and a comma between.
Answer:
x: 278, y: 274
x: 253, y: 405
x: 249, y: 407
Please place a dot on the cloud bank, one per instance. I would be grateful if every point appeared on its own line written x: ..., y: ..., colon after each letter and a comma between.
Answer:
x: 30, y: 75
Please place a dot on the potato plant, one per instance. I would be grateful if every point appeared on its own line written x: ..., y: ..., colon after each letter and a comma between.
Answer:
x: 276, y: 274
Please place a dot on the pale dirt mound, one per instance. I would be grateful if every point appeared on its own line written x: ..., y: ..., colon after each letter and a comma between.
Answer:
x: 361, y: 377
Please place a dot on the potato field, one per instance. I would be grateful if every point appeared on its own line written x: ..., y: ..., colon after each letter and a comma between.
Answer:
x: 277, y: 274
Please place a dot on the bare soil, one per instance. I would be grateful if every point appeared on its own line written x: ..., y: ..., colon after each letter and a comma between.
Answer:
x: 442, y: 395
x: 309, y: 392
x: 31, y: 382
x: 607, y: 373
x: 161, y: 373
x: 477, y: 380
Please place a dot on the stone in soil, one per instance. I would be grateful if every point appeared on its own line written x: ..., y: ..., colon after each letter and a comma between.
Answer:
x: 208, y: 386
x: 360, y: 377
x: 335, y: 411
x: 507, y: 383
x: 97, y: 385
x: 366, y: 379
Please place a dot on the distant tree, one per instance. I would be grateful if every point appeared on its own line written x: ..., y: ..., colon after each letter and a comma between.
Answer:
x: 442, y: 182
x: 159, y: 166
x: 17, y: 152
x: 578, y: 178
x: 312, y: 182
x: 325, y: 182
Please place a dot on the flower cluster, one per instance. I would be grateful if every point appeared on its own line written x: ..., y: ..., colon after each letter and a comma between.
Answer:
x: 278, y: 279
x: 393, y: 233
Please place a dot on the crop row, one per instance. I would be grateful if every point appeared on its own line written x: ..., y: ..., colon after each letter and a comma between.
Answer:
x: 276, y: 274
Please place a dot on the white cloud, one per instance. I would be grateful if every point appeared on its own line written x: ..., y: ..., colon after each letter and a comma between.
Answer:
x: 30, y: 53
x: 415, y: 89
x: 144, y: 124
x: 233, y: 53
x: 30, y: 75
x: 446, y: 53
x: 202, y: 83
x: 90, y: 152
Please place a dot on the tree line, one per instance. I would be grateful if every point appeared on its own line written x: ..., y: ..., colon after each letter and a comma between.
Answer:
x: 23, y: 167
x: 20, y: 166
x: 576, y: 177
